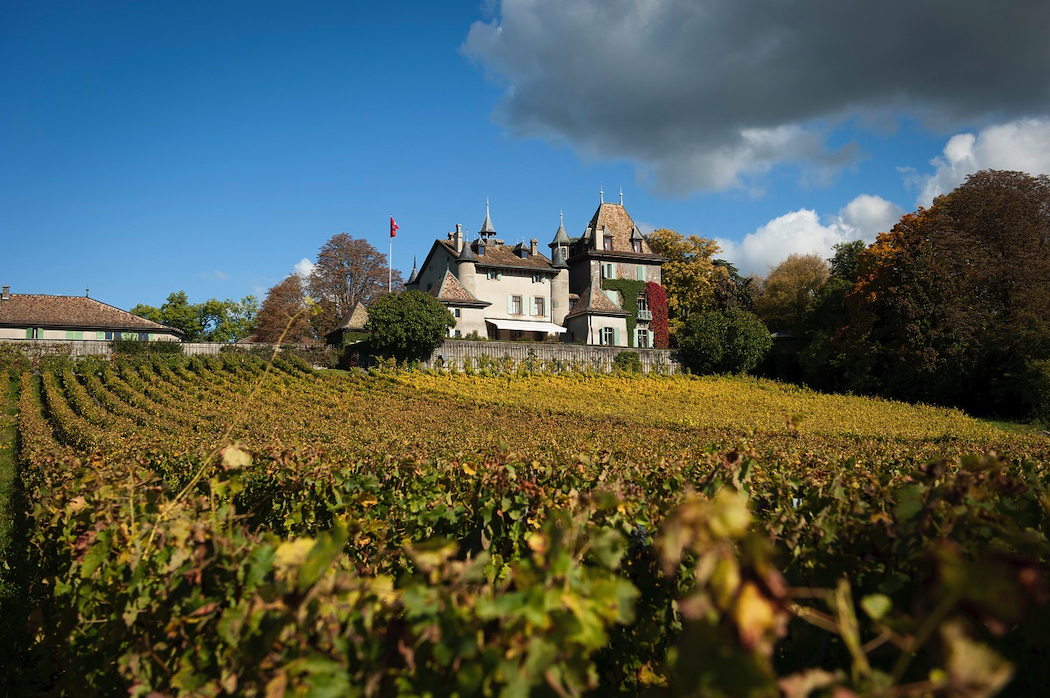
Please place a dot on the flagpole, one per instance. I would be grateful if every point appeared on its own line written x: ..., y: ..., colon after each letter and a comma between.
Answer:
x: 390, y: 259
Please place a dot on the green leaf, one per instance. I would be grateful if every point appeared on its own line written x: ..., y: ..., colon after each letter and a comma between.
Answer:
x: 876, y: 605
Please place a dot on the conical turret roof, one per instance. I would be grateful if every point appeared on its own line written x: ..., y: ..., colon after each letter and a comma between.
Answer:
x: 561, y: 237
x: 466, y: 254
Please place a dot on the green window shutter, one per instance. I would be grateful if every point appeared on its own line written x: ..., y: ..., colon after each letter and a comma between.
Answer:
x: 29, y: 333
x: 69, y: 334
x: 100, y: 335
x: 510, y: 305
x: 616, y: 336
x: 640, y: 273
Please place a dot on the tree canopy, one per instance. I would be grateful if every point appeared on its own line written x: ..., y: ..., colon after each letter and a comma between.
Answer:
x: 689, y: 274
x: 348, y: 271
x: 790, y: 291
x: 409, y: 325
x: 210, y: 321
x: 952, y: 304
x: 284, y: 316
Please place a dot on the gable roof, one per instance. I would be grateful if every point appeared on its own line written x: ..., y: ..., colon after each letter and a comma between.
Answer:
x: 593, y: 300
x: 620, y: 225
x: 72, y: 312
x: 355, y: 320
x: 452, y: 291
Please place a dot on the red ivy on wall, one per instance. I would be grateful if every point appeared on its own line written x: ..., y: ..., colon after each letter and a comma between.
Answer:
x: 658, y: 307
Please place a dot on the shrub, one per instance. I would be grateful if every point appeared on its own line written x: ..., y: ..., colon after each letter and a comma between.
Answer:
x: 731, y: 341
x: 135, y: 346
x: 627, y: 362
x: 409, y: 325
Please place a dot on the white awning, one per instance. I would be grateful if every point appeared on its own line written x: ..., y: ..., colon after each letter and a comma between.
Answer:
x: 526, y: 326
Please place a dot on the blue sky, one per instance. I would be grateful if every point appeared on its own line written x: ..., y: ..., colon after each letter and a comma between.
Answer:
x: 211, y: 147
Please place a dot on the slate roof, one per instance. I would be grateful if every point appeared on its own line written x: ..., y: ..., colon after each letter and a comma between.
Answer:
x: 72, y: 312
x: 452, y: 291
x: 594, y: 300
x: 499, y: 255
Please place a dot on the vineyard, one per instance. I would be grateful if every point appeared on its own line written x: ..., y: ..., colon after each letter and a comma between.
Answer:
x: 215, y: 526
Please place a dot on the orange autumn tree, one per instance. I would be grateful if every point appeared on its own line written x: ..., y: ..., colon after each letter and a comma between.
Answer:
x: 951, y: 306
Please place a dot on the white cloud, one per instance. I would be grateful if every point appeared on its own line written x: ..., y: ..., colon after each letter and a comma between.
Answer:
x: 1022, y: 145
x: 304, y: 267
x: 711, y: 95
x: 802, y: 232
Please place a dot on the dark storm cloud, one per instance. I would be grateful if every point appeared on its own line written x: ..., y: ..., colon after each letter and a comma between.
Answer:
x: 701, y: 92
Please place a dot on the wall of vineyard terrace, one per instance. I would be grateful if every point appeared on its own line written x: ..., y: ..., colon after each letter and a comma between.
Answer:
x: 36, y: 348
x: 454, y: 353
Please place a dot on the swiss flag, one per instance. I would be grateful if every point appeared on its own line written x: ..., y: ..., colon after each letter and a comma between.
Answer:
x: 393, y: 228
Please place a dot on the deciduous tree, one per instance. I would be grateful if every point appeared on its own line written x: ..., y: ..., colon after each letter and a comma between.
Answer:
x: 349, y: 271
x: 952, y: 305
x: 790, y: 291
x: 210, y: 321
x: 688, y: 275
x: 284, y: 315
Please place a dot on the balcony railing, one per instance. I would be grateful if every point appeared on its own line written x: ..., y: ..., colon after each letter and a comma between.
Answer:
x: 645, y: 315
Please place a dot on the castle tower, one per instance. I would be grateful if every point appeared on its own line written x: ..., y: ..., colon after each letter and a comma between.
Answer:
x: 560, y: 283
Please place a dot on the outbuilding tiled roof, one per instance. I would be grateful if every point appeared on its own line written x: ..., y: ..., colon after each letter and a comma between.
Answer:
x: 72, y: 312
x: 356, y: 320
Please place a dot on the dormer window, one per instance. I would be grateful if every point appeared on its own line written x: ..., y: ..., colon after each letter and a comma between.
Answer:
x: 636, y: 245
x: 607, y: 244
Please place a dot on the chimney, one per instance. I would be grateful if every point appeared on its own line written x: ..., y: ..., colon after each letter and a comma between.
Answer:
x: 5, y: 293
x: 457, y: 238
x: 533, y: 246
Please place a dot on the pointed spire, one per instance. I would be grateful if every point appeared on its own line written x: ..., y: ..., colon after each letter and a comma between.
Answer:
x: 486, y: 227
x: 561, y: 237
x: 601, y: 194
x: 621, y: 196
x: 414, y: 274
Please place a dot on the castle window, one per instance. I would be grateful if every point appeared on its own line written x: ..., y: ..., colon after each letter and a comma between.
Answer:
x: 607, y: 242
x: 636, y: 245
x: 539, y: 306
x: 608, y: 270
x: 608, y: 336
x: 514, y: 306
